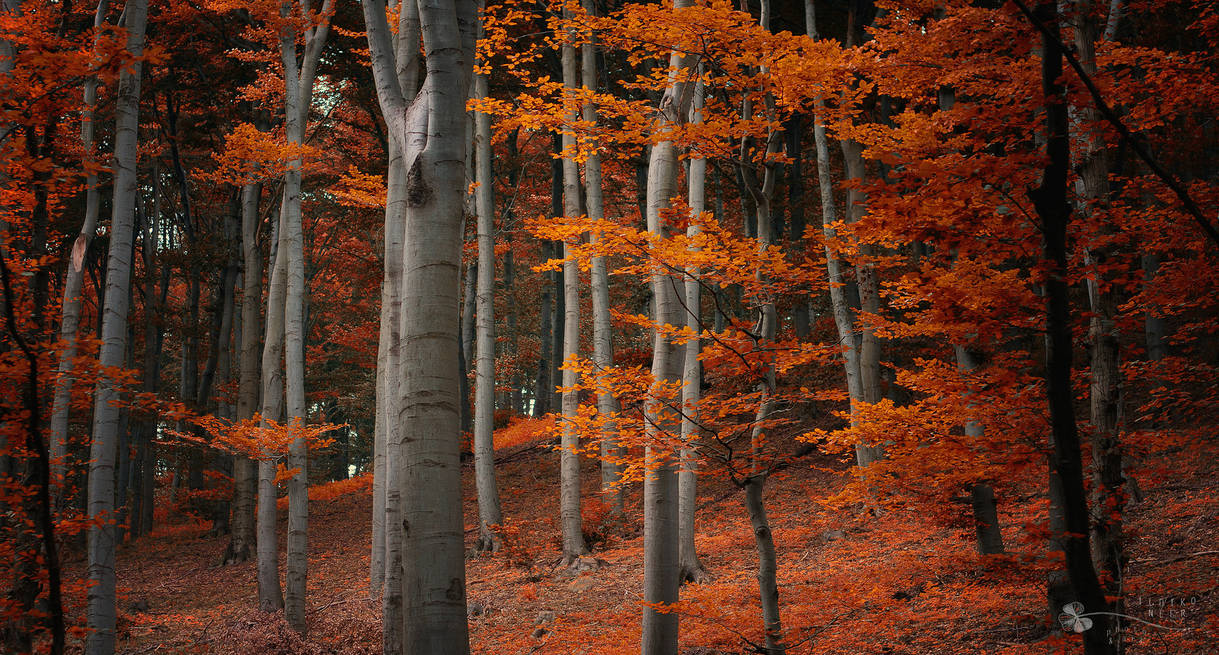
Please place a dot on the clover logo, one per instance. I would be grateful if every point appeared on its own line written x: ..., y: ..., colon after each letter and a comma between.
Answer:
x: 1073, y: 619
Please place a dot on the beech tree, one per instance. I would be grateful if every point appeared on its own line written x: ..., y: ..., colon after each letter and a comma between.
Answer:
x: 489, y: 512
x: 434, y: 576
x: 661, y: 565
x: 106, y: 414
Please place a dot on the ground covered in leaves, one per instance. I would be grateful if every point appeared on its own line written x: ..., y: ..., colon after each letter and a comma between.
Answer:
x: 851, y: 582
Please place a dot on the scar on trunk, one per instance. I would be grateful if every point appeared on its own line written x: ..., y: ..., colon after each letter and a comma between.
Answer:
x: 418, y: 193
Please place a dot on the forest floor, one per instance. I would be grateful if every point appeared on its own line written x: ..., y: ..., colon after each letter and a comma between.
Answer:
x: 908, y: 581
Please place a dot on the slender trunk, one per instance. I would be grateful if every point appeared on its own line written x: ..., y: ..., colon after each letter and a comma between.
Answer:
x: 245, y: 473
x: 844, y: 318
x: 1070, y: 534
x: 687, y: 476
x: 542, y: 384
x: 489, y: 513
x: 101, y: 594
x: 298, y: 93
x: 612, y: 490
x: 376, y: 560
x: 865, y: 278
x: 389, y: 405
x: 1107, y: 492
x: 465, y: 351
x: 270, y: 596
x: 74, y: 283
x: 218, y: 365
x: 1154, y: 327
x: 767, y: 563
x: 569, y: 457
x: 762, y: 191
x: 981, y: 495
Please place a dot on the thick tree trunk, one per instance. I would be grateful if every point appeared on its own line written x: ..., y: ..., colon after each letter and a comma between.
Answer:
x: 661, y: 564
x: 101, y: 595
x: 434, y: 571
x: 489, y: 513
x: 1070, y: 530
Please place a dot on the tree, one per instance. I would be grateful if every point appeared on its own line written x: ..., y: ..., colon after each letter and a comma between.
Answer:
x: 489, y: 512
x: 103, y: 533
x: 1067, y: 496
x: 661, y: 565
x: 298, y: 78
x: 434, y: 577
x: 569, y: 456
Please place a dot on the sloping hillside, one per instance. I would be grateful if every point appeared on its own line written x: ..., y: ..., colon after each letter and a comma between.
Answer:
x: 851, y: 582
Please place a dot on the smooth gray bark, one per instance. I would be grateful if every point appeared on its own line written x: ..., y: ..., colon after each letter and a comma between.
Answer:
x: 101, y: 613
x: 691, y: 389
x: 569, y: 457
x: 489, y: 512
x: 74, y: 281
x: 389, y: 402
x: 299, y: 76
x: 612, y: 491
x: 661, y: 565
x: 844, y: 315
x: 270, y: 595
x: 245, y: 470
x: 434, y: 571
x: 389, y: 405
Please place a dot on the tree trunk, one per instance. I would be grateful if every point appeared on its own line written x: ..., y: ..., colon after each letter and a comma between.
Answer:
x: 844, y: 318
x: 569, y: 457
x: 489, y: 513
x: 762, y: 192
x: 101, y: 595
x: 245, y: 474
x: 1070, y: 532
x: 542, y: 384
x: 434, y: 571
x: 661, y: 564
x: 767, y: 563
x: 388, y: 406
x: 603, y: 332
x: 1107, y: 492
x: 298, y: 94
x: 270, y: 596
x: 74, y: 283
x: 691, y: 389
x: 981, y: 495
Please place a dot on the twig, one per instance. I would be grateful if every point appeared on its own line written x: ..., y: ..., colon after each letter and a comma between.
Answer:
x: 1178, y: 558
x: 1124, y: 132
